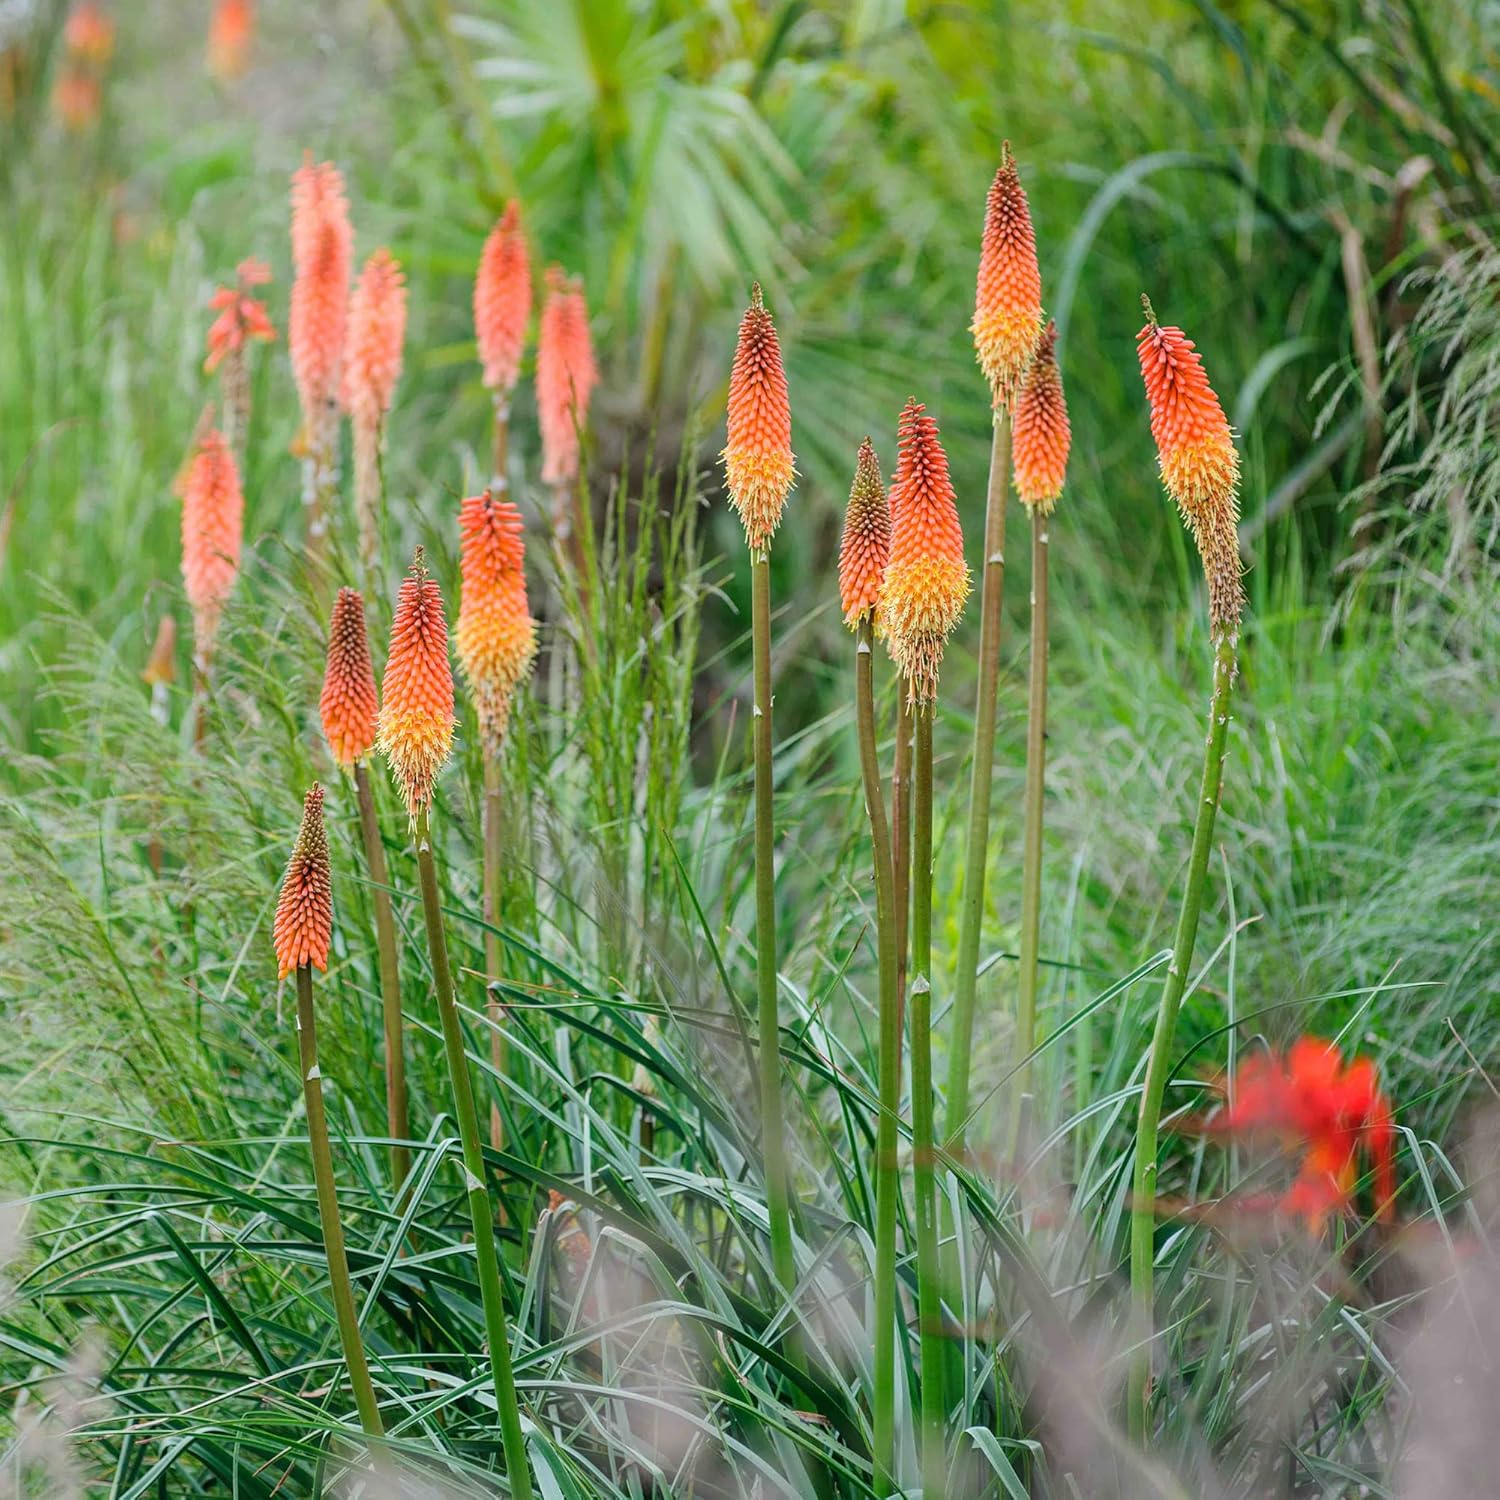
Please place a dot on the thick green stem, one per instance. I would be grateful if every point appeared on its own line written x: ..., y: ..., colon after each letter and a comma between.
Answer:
x: 971, y: 913
x: 887, y: 1173
x: 923, y: 1138
x: 1143, y: 1200
x: 485, y: 1258
x: 492, y: 849
x: 328, y: 1212
x: 901, y: 841
x: 397, y: 1121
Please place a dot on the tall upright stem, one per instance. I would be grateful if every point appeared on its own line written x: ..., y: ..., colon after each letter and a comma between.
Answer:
x: 887, y: 1175
x: 923, y: 1140
x: 328, y: 1212
x: 1143, y: 1200
x: 500, y: 446
x: 398, y: 1123
x: 778, y: 1188
x: 901, y: 841
x: 485, y: 1258
x: 971, y: 913
x: 498, y: 1042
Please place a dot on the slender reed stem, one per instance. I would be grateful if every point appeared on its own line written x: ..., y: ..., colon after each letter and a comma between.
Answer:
x: 901, y: 841
x: 971, y: 913
x: 397, y: 1120
x: 499, y: 1046
x: 500, y: 446
x: 1036, y: 770
x: 485, y: 1259
x: 328, y: 1212
x: 1143, y: 1201
x: 368, y: 483
x: 887, y: 1175
x: 923, y: 1140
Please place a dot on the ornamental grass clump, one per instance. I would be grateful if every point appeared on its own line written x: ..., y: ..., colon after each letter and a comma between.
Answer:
x: 502, y: 314
x: 565, y: 378
x: 1200, y: 469
x: 349, y: 710
x: 242, y: 318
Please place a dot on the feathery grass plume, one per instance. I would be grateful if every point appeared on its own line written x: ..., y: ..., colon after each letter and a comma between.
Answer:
x: 89, y: 34
x: 213, y: 520
x: 759, y: 469
x: 322, y: 255
x: 1041, y: 434
x: 865, y: 547
x: 230, y: 34
x: 415, y: 728
x: 502, y: 302
x: 348, y: 705
x: 372, y: 366
x: 1199, y: 464
x: 927, y: 580
x: 303, y: 925
x: 1008, y: 302
x: 565, y: 376
x: 241, y: 318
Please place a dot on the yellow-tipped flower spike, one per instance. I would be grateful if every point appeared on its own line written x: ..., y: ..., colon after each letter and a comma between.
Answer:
x: 1008, y: 301
x: 866, y: 546
x: 1041, y: 434
x: 758, y: 465
x: 304, y: 913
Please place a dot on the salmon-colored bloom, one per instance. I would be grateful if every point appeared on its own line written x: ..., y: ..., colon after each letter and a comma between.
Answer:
x: 759, y: 468
x: 89, y: 34
x: 304, y: 914
x: 495, y: 635
x: 241, y: 316
x: 1008, y: 301
x: 348, y: 705
x: 322, y: 253
x: 230, y: 33
x: 377, y: 331
x: 1040, y: 433
x: 1199, y: 465
x: 77, y: 100
x: 1308, y: 1101
x: 416, y: 709
x: 502, y: 301
x: 866, y: 545
x: 926, y: 580
x: 213, y: 520
x: 565, y: 376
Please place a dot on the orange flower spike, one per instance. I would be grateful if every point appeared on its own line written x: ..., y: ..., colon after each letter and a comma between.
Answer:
x: 304, y: 914
x: 241, y: 316
x: 348, y: 704
x: 213, y: 519
x: 89, y: 34
x: 77, y: 100
x: 502, y: 301
x: 759, y: 468
x: 1008, y: 301
x: 1199, y: 465
x: 230, y: 34
x: 415, y: 728
x: 377, y: 332
x: 565, y: 376
x: 322, y: 251
x: 927, y: 580
x: 866, y: 545
x: 1040, y: 434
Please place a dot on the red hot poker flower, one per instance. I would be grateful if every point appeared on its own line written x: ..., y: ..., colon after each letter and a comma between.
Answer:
x: 1008, y: 300
x: 502, y: 301
x: 89, y: 34
x: 323, y: 251
x: 758, y: 465
x: 213, y: 521
x: 229, y: 36
x: 304, y: 914
x: 866, y: 545
x: 1041, y: 432
x: 565, y: 376
x: 241, y: 316
x: 348, y: 704
x: 377, y: 331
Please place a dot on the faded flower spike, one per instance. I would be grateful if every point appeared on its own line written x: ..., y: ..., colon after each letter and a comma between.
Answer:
x: 502, y: 301
x: 322, y: 251
x: 213, y: 520
x: 495, y: 635
x: 1008, y: 302
x: 758, y: 465
x: 377, y: 330
x: 1040, y: 432
x: 304, y: 914
x: 241, y: 316
x: 866, y: 545
x: 927, y: 580
x: 565, y: 376
x: 416, y: 710
x: 1199, y: 465
x: 348, y: 705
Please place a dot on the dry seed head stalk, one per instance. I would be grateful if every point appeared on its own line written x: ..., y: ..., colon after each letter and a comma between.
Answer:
x: 322, y: 253
x: 1040, y: 431
x: 229, y: 36
x: 502, y: 302
x: 416, y: 710
x: 348, y: 705
x: 759, y: 468
x: 213, y: 521
x: 377, y: 330
x: 866, y: 546
x: 304, y: 914
x: 565, y: 376
x: 495, y: 635
x: 927, y: 580
x: 1199, y: 465
x: 1008, y: 301
x: 241, y: 316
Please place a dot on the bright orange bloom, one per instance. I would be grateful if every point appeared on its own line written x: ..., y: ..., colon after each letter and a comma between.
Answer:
x: 416, y: 709
x: 866, y: 545
x: 1309, y: 1101
x: 1040, y: 432
x: 1199, y: 465
x: 89, y: 34
x: 304, y: 914
x: 758, y: 465
x: 348, y: 705
x: 377, y: 330
x: 496, y: 635
x: 213, y: 520
x: 565, y: 376
x: 77, y: 100
x: 241, y: 316
x: 502, y: 301
x: 229, y: 36
x: 1008, y: 302
x: 322, y: 253
x: 926, y: 580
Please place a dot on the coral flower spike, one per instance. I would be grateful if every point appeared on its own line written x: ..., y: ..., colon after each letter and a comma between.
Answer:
x: 866, y: 545
x: 89, y: 34
x: 229, y: 36
x: 304, y: 914
x: 502, y: 302
x: 241, y: 316
x: 416, y: 712
x: 377, y: 331
x: 565, y: 376
x: 1041, y: 432
x: 213, y: 519
x: 927, y: 579
x: 1008, y: 301
x: 348, y: 704
x: 758, y: 465
x: 322, y: 250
